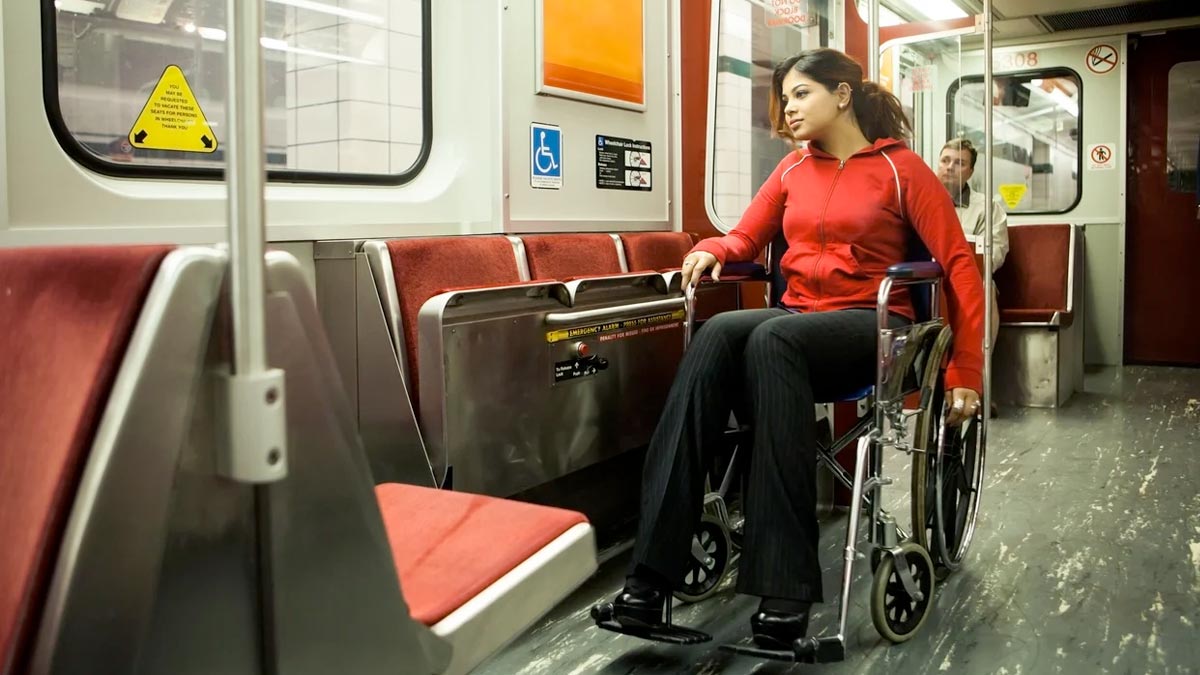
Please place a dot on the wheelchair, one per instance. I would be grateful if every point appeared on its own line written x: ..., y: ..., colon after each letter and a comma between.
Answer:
x: 946, y: 484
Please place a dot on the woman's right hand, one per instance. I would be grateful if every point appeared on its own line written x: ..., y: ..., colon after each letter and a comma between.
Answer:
x: 696, y: 263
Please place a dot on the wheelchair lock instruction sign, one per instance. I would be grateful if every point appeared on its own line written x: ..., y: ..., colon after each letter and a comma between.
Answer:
x: 623, y: 164
x: 545, y: 156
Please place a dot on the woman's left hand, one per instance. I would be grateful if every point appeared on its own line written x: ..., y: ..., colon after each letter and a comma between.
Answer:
x: 964, y: 404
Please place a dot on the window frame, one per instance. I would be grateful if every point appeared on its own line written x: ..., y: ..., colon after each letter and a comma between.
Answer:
x: 80, y: 154
x: 832, y: 28
x: 1053, y: 71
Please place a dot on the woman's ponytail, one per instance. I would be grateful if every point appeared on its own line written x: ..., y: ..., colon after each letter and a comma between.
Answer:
x: 879, y: 112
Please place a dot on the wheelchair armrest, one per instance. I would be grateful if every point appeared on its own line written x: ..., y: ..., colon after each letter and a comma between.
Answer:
x: 741, y: 271
x: 915, y: 271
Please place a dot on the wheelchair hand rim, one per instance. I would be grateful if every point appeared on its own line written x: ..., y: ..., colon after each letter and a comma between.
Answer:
x: 953, y: 559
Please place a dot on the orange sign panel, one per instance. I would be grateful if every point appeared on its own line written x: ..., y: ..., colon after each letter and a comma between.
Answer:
x: 593, y: 49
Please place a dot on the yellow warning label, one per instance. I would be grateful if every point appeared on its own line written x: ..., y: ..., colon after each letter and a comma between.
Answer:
x: 1012, y: 193
x: 611, y: 326
x: 172, y: 119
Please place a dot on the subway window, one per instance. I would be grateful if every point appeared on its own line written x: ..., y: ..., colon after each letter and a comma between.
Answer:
x: 1183, y: 136
x: 752, y: 37
x: 1036, y: 120
x: 138, y: 87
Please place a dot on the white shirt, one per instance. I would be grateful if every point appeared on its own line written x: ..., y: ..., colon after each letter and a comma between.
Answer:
x: 971, y: 216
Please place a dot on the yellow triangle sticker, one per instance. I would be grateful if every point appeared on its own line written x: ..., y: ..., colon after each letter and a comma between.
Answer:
x: 172, y: 119
x: 1012, y: 193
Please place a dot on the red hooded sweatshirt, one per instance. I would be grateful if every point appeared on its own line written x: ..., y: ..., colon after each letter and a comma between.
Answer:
x: 846, y: 222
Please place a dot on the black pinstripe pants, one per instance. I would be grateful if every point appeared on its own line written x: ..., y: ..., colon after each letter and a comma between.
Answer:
x: 775, y: 365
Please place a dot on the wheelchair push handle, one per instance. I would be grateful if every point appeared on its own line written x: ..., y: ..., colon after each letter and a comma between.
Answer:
x: 689, y: 314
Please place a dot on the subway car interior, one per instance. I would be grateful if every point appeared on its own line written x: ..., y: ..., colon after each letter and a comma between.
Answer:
x: 343, y: 336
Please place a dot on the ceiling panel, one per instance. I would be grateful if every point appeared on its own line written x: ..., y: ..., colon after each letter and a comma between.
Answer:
x: 1012, y: 9
x: 1012, y: 28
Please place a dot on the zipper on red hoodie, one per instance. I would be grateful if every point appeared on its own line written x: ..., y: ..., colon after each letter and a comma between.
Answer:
x: 821, y: 229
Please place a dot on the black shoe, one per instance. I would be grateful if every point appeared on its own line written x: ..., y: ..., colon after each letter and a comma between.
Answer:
x: 777, y: 630
x: 639, y: 607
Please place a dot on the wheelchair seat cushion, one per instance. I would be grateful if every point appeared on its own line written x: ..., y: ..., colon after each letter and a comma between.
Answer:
x: 449, y: 546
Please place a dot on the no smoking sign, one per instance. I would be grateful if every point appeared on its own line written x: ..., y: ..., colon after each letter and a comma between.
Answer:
x: 1101, y: 59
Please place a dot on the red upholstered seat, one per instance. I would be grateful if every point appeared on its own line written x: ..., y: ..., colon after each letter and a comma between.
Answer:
x: 423, y: 267
x: 568, y: 256
x: 67, y: 314
x: 1033, y: 281
x: 646, y: 251
x: 448, y: 546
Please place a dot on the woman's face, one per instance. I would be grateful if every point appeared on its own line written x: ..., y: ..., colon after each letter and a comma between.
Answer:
x: 809, y: 109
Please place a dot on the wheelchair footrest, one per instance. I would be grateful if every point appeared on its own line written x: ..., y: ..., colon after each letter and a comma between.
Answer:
x: 662, y: 632
x: 669, y: 633
x: 805, y: 650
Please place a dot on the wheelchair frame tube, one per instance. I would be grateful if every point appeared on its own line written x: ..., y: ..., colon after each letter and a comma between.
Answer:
x: 876, y: 458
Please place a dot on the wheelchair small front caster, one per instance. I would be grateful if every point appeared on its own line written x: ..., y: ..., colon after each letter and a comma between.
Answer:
x: 708, y: 562
x: 898, y: 615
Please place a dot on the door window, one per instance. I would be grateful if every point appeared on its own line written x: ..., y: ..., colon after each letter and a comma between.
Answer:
x: 1183, y: 126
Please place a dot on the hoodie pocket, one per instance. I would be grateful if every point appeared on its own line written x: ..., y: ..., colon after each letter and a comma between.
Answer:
x: 844, y: 275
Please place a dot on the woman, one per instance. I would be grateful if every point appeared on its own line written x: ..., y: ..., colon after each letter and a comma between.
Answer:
x: 848, y: 205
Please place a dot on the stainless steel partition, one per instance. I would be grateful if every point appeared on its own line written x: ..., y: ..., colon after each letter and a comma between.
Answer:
x: 163, y: 562
x: 337, y: 604
x: 356, y: 297
x: 519, y: 387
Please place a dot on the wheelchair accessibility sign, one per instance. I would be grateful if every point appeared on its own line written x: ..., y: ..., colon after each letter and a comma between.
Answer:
x: 545, y: 156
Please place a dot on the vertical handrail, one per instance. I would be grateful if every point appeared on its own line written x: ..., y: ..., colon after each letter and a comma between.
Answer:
x: 872, y: 40
x: 255, y: 450
x: 245, y: 178
x: 988, y: 217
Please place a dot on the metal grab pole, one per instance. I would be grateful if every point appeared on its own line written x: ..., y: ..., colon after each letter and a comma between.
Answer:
x: 244, y: 176
x: 873, y: 40
x: 255, y: 451
x: 989, y: 190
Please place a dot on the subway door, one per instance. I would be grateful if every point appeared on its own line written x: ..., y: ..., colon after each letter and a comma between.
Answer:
x: 1162, y: 294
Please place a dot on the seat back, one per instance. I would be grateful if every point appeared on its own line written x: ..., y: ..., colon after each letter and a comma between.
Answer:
x: 656, y: 251
x: 68, y: 314
x: 1034, y: 281
x: 424, y: 267
x: 567, y: 256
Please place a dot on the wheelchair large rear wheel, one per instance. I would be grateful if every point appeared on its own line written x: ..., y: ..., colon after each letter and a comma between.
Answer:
x: 948, y: 476
x: 708, y: 561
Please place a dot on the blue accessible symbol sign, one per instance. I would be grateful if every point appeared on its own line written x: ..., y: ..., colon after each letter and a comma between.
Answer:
x: 545, y: 156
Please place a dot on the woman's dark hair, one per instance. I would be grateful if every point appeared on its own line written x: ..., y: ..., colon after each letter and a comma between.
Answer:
x: 877, y: 110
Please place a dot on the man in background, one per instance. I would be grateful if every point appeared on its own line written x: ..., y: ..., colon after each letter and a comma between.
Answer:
x: 956, y: 165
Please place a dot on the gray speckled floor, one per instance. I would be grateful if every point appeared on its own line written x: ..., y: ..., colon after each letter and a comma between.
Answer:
x: 1086, y: 560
